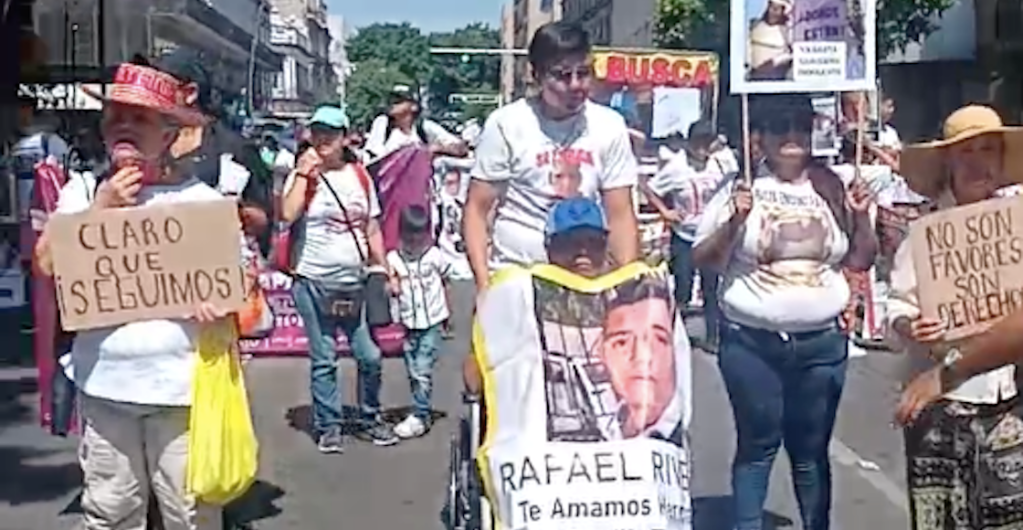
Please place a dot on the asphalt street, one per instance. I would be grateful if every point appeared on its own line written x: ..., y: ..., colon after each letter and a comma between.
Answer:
x: 403, y: 487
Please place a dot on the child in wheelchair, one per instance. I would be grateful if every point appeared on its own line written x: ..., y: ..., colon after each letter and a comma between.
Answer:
x: 577, y: 242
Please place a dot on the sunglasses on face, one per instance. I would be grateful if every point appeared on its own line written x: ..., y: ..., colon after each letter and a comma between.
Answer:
x: 566, y: 75
x: 781, y: 125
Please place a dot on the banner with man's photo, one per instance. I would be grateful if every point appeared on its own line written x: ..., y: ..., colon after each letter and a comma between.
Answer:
x: 589, y: 389
x: 780, y: 46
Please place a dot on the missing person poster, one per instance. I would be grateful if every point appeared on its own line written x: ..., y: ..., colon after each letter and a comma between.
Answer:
x: 589, y: 400
x: 967, y: 262
x: 824, y: 139
x: 126, y: 264
x: 780, y: 46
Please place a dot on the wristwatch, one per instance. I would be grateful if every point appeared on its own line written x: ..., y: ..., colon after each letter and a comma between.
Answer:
x: 949, y: 376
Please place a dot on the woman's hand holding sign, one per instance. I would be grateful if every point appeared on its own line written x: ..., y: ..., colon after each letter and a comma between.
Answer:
x: 927, y: 330
x: 206, y: 313
x: 742, y: 202
x: 859, y: 197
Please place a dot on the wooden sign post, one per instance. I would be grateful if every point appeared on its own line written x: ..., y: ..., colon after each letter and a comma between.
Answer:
x: 128, y: 264
x: 968, y: 264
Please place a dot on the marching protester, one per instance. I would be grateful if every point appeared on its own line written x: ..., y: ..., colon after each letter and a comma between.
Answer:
x: 423, y: 274
x: 210, y: 147
x: 135, y: 379
x: 680, y: 191
x: 584, y: 149
x: 402, y: 126
x: 781, y: 244
x: 967, y: 426
x: 335, y: 204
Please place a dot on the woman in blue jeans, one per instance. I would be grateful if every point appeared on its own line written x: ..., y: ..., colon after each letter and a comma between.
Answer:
x: 338, y: 239
x: 781, y: 244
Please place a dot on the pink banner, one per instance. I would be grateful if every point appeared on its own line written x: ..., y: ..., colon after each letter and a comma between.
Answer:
x: 288, y: 336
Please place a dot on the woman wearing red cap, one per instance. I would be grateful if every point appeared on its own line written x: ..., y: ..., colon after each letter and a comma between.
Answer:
x: 136, y: 378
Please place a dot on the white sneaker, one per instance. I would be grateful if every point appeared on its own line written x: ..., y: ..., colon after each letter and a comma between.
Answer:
x: 410, y: 427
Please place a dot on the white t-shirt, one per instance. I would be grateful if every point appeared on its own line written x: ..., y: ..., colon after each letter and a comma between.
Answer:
x: 381, y: 144
x: 328, y: 247
x: 422, y: 303
x: 689, y: 190
x: 522, y: 149
x: 784, y: 273
x: 888, y: 138
x: 147, y: 362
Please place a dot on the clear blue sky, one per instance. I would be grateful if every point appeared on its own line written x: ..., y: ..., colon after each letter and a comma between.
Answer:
x: 429, y: 15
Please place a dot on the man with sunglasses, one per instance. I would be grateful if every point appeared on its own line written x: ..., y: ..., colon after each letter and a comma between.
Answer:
x: 539, y: 150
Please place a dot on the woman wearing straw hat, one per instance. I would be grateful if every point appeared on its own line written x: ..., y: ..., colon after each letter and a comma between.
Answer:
x: 957, y: 450
x: 136, y: 378
x: 781, y: 244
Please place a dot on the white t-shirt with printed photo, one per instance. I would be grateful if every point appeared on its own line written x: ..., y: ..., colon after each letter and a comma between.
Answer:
x: 689, y: 190
x: 522, y: 149
x: 784, y: 273
x: 331, y: 247
x: 148, y: 362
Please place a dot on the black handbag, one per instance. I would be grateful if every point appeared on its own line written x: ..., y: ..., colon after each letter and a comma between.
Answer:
x: 346, y: 301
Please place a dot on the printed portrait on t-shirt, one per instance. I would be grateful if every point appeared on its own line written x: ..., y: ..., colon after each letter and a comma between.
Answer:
x: 610, y: 366
x: 692, y: 198
x: 795, y: 238
x: 565, y: 169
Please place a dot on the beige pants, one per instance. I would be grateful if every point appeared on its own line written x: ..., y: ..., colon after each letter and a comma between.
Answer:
x: 128, y: 451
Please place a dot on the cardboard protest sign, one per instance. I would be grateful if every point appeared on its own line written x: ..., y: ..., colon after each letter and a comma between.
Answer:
x: 968, y: 264
x: 780, y: 46
x: 129, y: 264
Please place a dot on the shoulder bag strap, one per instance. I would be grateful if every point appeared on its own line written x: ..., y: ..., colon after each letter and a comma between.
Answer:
x: 348, y: 220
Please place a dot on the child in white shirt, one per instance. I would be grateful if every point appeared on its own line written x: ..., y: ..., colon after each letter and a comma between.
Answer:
x: 423, y: 273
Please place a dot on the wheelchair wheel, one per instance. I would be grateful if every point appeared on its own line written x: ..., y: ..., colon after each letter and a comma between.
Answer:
x: 454, y: 510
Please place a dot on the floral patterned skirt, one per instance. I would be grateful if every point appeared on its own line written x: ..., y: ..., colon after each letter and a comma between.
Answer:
x: 965, y: 467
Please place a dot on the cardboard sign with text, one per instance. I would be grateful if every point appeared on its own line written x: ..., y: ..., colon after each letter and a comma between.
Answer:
x: 129, y: 264
x: 968, y: 264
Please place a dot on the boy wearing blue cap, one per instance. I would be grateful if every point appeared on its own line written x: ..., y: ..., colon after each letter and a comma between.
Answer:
x: 576, y: 236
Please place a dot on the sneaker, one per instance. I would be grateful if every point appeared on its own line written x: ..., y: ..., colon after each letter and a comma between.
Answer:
x: 331, y: 441
x: 379, y: 433
x: 410, y: 427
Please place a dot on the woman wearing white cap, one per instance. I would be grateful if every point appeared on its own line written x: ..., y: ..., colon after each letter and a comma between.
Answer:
x: 769, y: 52
x: 962, y: 453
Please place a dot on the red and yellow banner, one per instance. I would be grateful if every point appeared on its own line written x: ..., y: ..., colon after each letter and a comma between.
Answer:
x: 659, y: 68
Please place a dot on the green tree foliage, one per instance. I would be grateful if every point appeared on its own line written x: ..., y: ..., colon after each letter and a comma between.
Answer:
x: 367, y: 89
x: 703, y: 24
x: 401, y: 46
x: 454, y: 74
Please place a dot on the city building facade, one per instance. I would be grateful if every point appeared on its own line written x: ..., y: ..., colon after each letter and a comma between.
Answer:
x: 300, y: 33
x: 83, y: 39
x: 625, y: 23
x: 526, y: 16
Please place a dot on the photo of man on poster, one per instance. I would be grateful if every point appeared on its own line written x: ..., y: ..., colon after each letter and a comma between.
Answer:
x: 611, y: 371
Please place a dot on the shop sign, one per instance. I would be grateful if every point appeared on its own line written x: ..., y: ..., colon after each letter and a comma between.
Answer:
x: 690, y: 70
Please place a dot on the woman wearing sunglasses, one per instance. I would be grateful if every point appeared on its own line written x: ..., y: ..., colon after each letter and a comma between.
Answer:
x: 336, y: 206
x: 781, y: 244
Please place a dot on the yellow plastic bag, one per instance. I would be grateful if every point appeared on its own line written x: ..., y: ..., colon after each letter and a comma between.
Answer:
x: 222, y: 447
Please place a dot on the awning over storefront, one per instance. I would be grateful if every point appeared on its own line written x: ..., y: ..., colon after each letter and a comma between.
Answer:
x: 200, y: 25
